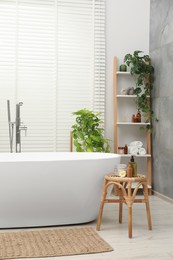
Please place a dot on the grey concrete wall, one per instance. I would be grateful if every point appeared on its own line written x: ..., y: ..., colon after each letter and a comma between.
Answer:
x: 161, y: 52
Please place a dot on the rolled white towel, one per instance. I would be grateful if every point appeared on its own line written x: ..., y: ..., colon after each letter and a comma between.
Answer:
x: 142, y: 151
x: 133, y: 150
x: 138, y: 144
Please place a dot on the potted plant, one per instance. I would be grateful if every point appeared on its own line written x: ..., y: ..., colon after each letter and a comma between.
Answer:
x: 143, y: 73
x: 87, y: 133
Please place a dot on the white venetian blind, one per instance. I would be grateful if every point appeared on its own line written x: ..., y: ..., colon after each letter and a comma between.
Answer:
x: 7, y: 65
x: 53, y: 60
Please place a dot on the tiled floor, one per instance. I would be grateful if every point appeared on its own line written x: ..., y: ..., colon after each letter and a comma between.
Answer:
x: 151, y: 245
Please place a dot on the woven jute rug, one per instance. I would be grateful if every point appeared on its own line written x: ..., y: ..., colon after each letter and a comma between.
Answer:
x: 51, y: 242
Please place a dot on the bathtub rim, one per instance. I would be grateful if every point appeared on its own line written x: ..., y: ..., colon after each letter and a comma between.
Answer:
x: 53, y: 156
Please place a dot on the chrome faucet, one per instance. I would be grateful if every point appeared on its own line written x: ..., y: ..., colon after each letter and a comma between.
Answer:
x: 18, y: 127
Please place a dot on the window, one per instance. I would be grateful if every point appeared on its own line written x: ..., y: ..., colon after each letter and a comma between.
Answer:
x: 52, y: 58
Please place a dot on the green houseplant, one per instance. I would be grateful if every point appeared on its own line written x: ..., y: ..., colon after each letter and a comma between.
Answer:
x: 143, y: 73
x: 87, y: 133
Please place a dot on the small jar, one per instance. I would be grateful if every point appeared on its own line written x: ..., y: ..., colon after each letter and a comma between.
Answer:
x: 122, y: 170
x: 121, y: 150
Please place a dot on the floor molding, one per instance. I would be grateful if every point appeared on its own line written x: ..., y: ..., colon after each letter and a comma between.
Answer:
x: 158, y: 194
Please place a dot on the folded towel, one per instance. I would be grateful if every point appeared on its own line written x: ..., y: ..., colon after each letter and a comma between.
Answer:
x: 138, y: 144
x: 142, y: 151
x: 133, y: 150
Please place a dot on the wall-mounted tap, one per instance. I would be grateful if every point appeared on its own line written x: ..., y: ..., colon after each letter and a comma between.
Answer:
x: 18, y: 127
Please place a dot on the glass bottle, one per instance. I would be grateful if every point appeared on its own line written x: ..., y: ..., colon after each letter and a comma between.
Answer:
x: 129, y: 171
x: 125, y: 149
x: 134, y: 166
x: 138, y: 116
x: 133, y: 119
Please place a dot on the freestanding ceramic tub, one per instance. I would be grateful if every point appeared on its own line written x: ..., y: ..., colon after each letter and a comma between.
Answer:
x: 44, y: 189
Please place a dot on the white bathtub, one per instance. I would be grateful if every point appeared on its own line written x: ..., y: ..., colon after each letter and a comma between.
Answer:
x: 43, y: 189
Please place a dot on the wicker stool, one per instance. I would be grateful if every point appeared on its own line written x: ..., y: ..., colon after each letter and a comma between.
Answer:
x: 126, y: 196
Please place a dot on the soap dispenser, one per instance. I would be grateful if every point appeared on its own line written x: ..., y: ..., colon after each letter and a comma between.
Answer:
x: 134, y: 166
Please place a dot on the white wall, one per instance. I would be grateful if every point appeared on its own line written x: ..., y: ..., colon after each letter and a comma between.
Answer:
x: 127, y: 30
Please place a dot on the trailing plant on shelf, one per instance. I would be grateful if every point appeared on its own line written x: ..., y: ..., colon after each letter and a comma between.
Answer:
x: 87, y: 133
x: 143, y: 73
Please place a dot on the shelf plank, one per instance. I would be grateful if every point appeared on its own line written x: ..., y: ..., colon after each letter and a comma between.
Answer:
x: 128, y: 96
x: 123, y: 72
x: 130, y: 123
x: 134, y: 186
x: 138, y: 155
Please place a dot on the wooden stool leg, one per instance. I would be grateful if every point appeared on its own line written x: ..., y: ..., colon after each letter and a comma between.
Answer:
x: 145, y: 191
x: 120, y: 206
x: 130, y: 221
x: 101, y: 205
x: 129, y: 202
